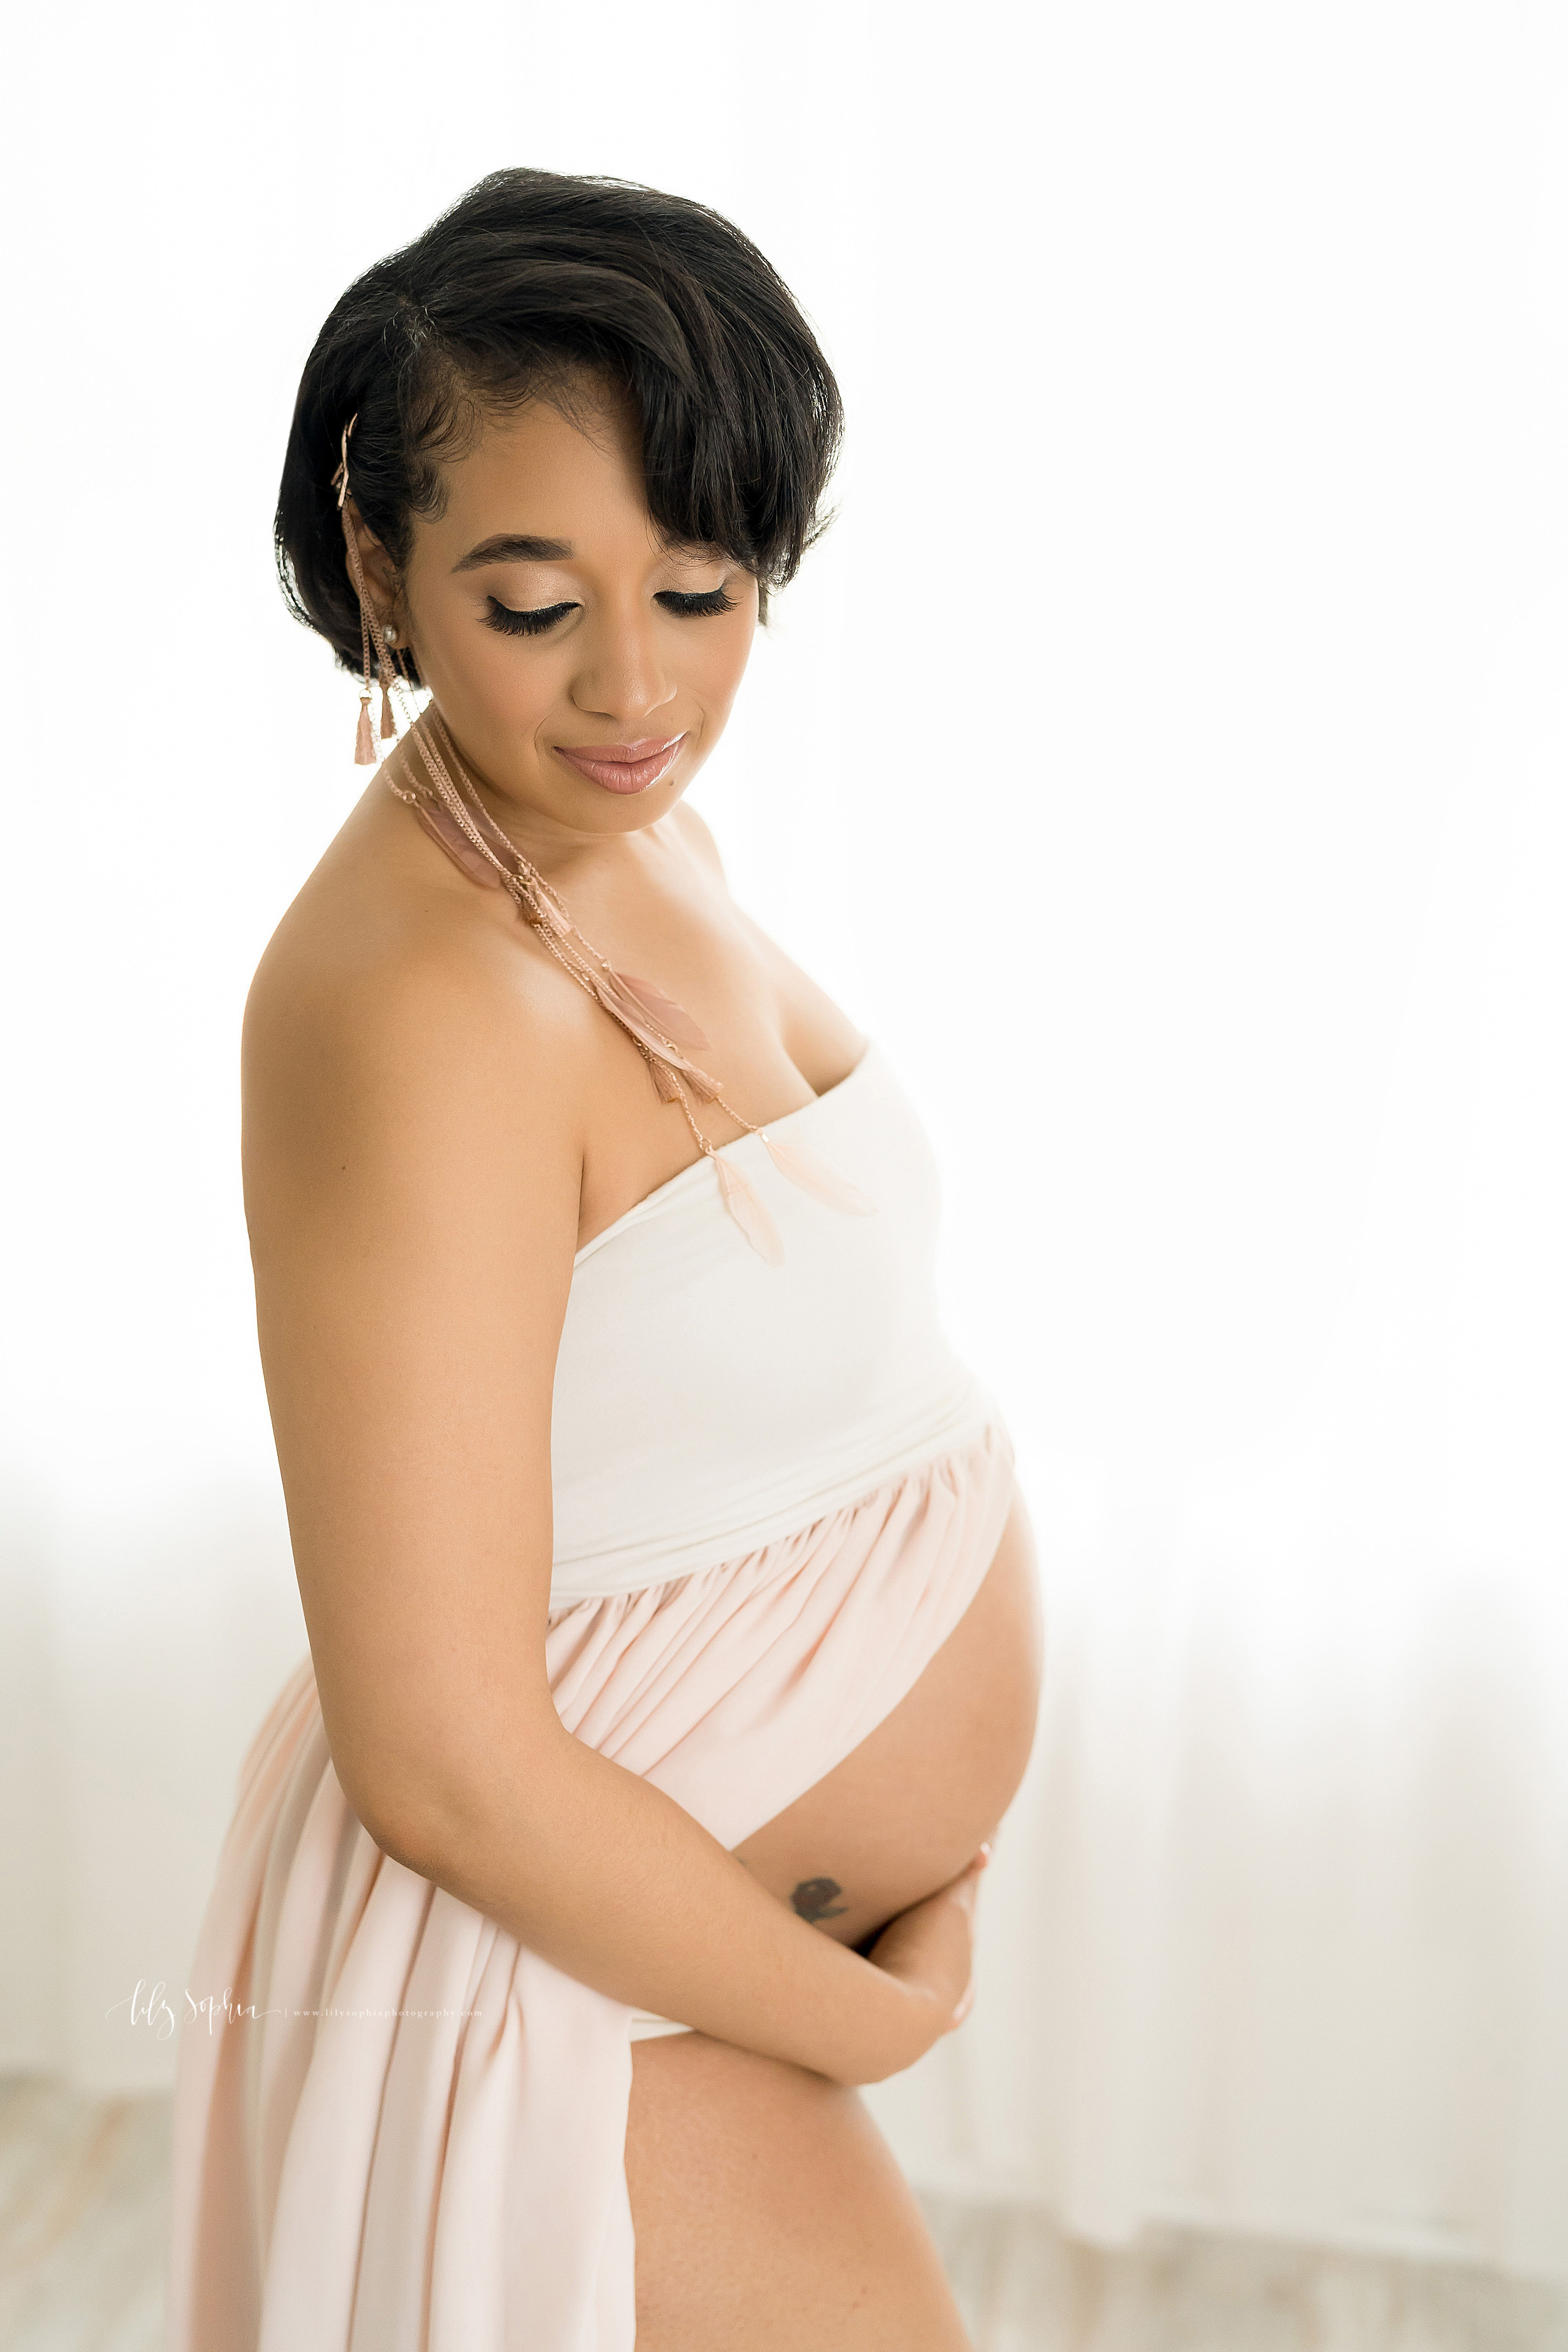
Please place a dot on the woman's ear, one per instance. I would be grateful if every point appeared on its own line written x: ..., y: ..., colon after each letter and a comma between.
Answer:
x: 380, y: 575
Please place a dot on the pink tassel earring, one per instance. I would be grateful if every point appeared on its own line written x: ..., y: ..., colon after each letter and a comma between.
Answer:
x: 365, y: 740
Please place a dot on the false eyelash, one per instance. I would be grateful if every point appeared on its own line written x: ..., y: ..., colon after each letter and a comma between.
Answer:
x: 693, y: 608
x: 524, y: 624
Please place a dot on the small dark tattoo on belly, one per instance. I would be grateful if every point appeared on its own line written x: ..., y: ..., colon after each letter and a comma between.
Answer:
x: 816, y: 1898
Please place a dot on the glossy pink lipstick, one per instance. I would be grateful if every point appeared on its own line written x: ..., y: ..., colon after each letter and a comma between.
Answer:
x: 624, y: 767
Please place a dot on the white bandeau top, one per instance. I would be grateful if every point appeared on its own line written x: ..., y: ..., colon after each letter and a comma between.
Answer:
x: 707, y: 1402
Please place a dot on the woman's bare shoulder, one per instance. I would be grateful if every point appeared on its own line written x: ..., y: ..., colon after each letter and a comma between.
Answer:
x: 395, y: 986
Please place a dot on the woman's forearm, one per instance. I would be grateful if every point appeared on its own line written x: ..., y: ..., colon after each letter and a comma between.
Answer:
x: 618, y: 1885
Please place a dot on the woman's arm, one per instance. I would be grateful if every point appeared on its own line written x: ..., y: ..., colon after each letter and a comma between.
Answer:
x: 414, y: 1135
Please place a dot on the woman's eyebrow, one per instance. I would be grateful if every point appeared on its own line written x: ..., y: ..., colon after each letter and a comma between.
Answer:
x: 515, y: 547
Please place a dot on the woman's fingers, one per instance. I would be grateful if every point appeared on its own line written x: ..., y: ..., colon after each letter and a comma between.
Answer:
x: 965, y: 1887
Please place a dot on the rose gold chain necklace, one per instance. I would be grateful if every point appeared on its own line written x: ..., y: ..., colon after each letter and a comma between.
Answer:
x: 452, y: 812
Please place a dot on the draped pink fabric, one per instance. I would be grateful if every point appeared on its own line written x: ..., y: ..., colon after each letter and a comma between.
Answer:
x: 406, y: 2133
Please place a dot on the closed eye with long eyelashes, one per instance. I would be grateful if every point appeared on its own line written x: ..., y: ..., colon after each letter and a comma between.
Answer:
x: 531, y: 624
x: 535, y: 622
x: 692, y: 608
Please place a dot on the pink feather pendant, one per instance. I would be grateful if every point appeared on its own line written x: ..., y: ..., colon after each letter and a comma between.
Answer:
x: 654, y: 1022
x: 670, y: 1073
x: 815, y: 1176
x: 664, y: 1012
x: 745, y: 1203
x: 445, y: 829
x: 635, y: 1018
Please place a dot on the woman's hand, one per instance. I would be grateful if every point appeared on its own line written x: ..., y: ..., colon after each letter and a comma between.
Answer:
x: 930, y: 1949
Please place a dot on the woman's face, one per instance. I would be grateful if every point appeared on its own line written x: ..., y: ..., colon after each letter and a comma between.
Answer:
x: 585, y: 669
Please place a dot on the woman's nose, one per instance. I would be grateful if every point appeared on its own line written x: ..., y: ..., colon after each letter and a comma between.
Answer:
x: 624, y: 675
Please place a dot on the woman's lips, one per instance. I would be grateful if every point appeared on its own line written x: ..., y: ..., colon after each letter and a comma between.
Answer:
x: 624, y: 767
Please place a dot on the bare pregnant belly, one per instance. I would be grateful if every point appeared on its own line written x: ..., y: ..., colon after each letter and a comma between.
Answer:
x: 909, y: 1808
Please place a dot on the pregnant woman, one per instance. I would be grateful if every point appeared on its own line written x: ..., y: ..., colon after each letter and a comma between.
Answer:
x: 674, y: 1648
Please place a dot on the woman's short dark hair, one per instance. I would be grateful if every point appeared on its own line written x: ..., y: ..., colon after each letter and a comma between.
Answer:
x: 530, y: 280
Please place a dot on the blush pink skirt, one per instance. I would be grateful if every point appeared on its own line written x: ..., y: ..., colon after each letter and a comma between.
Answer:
x: 404, y: 2132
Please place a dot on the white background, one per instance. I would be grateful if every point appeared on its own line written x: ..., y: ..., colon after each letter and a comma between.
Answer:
x: 1162, y: 757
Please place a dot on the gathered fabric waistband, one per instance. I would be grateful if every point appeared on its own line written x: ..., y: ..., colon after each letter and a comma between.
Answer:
x: 733, y: 1527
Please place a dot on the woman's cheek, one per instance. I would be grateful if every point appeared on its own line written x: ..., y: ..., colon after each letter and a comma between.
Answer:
x: 718, y: 666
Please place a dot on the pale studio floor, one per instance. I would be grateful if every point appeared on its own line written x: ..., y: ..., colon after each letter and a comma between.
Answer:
x: 83, y: 2199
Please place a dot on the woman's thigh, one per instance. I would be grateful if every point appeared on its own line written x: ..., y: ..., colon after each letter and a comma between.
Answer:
x: 770, y: 2215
